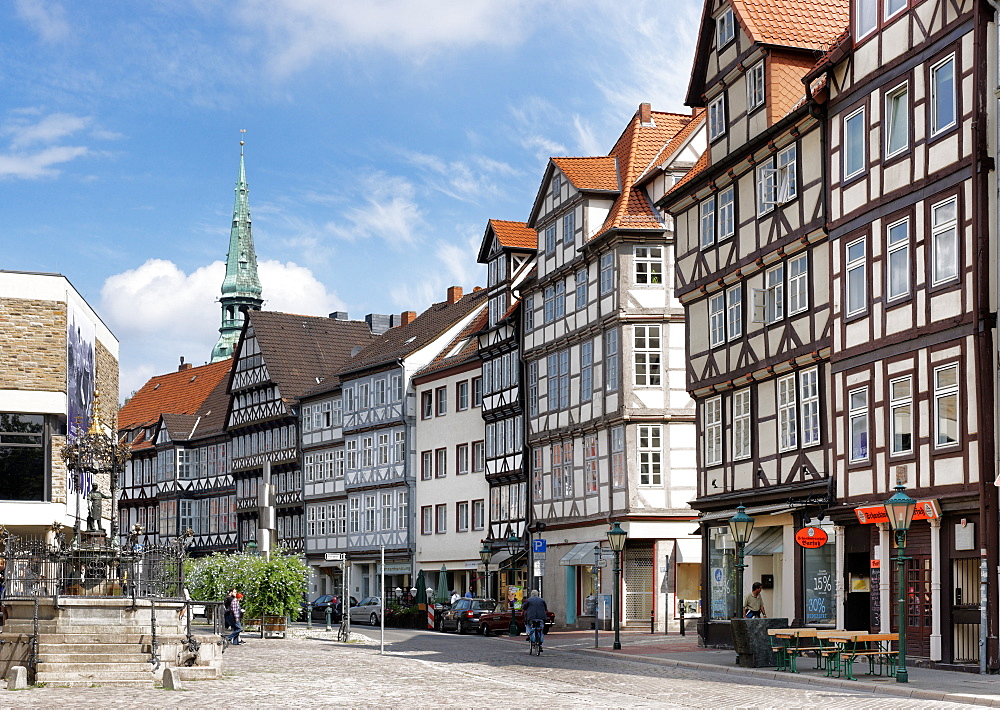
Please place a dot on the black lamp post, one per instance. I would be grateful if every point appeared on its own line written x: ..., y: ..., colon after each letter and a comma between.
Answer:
x: 900, y: 509
x: 740, y: 525
x: 513, y: 547
x: 485, y: 554
x: 616, y: 538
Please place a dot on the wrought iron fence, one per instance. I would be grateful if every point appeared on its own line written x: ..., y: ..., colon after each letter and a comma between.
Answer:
x: 34, y: 568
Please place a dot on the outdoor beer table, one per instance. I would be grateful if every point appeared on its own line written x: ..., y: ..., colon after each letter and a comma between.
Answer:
x: 849, y: 646
x: 789, y: 645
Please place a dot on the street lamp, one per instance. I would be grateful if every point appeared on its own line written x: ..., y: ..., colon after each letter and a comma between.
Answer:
x: 740, y: 525
x: 900, y: 509
x: 513, y: 547
x: 616, y: 538
x: 485, y: 554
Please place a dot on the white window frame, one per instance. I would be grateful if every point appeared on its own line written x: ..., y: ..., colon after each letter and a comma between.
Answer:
x: 726, y: 212
x: 717, y: 319
x: 809, y: 408
x: 550, y: 239
x: 734, y: 312
x: 855, y: 277
x: 618, y: 456
x: 943, y: 393
x: 717, y: 117
x: 900, y: 409
x: 889, y: 12
x: 897, y: 258
x: 581, y: 289
x: 648, y: 262
x: 725, y: 28
x: 648, y: 355
x: 798, y: 284
x: 774, y: 294
x: 529, y: 313
x: 755, y: 86
x: 742, y: 430
x: 767, y: 187
x: 568, y: 227
x: 865, y: 11
x: 857, y: 152
x: 897, y: 104
x: 611, y: 361
x: 787, y: 174
x: 650, y: 452
x: 607, y: 273
x: 462, y: 516
x: 586, y: 370
x: 706, y: 230
x: 788, y: 438
x: 858, y: 425
x: 942, y: 232
x: 712, y: 427
x: 935, y: 127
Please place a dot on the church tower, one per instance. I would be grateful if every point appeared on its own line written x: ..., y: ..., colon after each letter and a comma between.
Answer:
x: 241, y: 287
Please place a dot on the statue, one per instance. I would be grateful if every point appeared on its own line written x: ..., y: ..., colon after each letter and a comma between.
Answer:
x: 96, y: 498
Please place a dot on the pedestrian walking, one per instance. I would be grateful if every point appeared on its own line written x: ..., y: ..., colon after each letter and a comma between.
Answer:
x: 234, y: 616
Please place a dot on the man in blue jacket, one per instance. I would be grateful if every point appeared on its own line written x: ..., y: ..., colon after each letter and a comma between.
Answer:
x: 535, y: 613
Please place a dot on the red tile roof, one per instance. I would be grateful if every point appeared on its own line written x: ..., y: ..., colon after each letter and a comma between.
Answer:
x: 590, y: 173
x: 515, y: 235
x: 182, y: 392
x: 785, y: 83
x: 676, y: 143
x: 803, y: 24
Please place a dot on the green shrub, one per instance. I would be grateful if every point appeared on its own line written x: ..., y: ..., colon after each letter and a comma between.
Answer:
x: 271, y: 586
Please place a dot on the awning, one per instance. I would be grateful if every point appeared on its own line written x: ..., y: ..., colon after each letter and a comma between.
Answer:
x: 499, y: 558
x: 687, y: 550
x: 581, y: 554
x: 773, y: 509
x: 768, y: 542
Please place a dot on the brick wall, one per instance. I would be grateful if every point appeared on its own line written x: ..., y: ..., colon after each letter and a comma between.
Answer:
x: 34, y: 336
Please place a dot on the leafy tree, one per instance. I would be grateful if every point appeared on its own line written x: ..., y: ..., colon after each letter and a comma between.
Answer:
x: 271, y: 586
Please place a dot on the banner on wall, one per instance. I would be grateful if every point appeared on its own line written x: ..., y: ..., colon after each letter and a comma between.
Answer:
x: 80, y: 378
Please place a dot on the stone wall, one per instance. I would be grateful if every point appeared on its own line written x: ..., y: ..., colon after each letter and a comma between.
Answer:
x: 34, y: 336
x: 106, y: 379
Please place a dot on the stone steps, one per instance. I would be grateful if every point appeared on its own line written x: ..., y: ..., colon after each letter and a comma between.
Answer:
x: 105, y: 682
x: 198, y: 672
x: 96, y: 668
x: 93, y: 653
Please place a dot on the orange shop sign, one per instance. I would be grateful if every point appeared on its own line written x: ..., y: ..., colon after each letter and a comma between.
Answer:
x: 925, y: 510
x: 811, y: 537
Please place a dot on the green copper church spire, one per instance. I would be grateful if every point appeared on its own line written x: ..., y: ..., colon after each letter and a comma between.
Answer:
x: 241, y: 287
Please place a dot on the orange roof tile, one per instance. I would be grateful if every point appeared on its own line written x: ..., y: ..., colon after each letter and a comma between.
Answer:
x: 181, y: 392
x: 803, y: 24
x: 677, y: 142
x: 515, y: 235
x: 696, y: 169
x: 785, y: 83
x: 590, y: 173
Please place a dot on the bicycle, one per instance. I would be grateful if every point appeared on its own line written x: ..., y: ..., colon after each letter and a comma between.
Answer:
x: 343, y: 633
x: 535, y: 637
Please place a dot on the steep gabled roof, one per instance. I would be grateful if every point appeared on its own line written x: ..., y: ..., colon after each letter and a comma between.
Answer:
x: 675, y: 144
x: 404, y: 340
x: 590, y: 174
x: 466, y: 341
x: 182, y: 392
x: 511, y: 235
x: 806, y: 25
x: 297, y: 349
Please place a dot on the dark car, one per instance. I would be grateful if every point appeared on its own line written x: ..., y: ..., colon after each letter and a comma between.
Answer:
x: 320, y: 605
x: 465, y: 613
x: 499, y: 621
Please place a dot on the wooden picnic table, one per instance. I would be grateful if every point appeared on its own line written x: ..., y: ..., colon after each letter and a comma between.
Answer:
x: 847, y: 647
x: 789, y: 644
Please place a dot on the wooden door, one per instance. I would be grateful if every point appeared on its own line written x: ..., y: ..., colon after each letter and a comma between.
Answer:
x: 917, y: 588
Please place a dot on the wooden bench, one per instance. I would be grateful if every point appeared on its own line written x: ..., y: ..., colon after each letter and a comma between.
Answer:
x: 847, y: 647
x: 789, y: 644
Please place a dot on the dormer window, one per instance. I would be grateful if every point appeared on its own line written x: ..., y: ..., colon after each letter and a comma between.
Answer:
x: 725, y: 27
x: 755, y: 86
x: 556, y: 185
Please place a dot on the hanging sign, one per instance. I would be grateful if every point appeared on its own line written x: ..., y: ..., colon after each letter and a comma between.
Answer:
x: 811, y: 537
x: 925, y: 510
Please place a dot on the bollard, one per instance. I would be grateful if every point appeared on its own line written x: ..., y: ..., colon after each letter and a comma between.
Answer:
x: 430, y: 616
x: 652, y: 622
x: 681, y: 602
x: 329, y: 611
x: 309, y: 617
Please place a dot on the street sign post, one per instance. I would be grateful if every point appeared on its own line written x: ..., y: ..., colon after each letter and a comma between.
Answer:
x: 539, y: 545
x: 335, y: 556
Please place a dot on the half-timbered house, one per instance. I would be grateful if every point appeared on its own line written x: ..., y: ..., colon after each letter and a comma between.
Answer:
x: 911, y: 396
x: 178, y: 477
x: 751, y: 273
x: 610, y: 426
x: 379, y: 407
x: 508, y: 250
x: 451, y: 488
x: 279, y: 356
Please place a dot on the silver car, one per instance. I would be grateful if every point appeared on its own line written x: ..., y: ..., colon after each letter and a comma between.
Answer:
x: 369, y: 611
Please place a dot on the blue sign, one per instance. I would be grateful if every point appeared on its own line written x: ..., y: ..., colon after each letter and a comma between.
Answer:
x: 539, y: 545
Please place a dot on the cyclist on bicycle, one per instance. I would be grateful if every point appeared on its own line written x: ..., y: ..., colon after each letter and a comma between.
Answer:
x: 535, y: 612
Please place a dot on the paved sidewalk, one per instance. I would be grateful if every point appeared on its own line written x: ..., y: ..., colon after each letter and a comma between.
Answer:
x: 679, y: 651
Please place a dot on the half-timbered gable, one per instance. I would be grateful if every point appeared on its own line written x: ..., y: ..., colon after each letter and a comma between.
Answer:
x: 911, y: 260
x: 752, y: 259
x: 380, y: 409
x: 179, y: 476
x: 508, y: 249
x: 279, y: 356
x: 609, y: 421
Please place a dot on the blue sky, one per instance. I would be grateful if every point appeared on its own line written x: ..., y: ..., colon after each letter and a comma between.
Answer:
x: 381, y: 135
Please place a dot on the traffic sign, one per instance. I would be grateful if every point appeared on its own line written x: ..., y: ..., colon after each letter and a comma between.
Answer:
x: 539, y: 545
x: 335, y: 556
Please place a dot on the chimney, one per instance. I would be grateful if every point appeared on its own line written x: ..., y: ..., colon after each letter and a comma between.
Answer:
x: 407, y: 317
x: 645, y: 114
x: 378, y: 323
x: 184, y: 365
x: 339, y: 315
x: 454, y: 294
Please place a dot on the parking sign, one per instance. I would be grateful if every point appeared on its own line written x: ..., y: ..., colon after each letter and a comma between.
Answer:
x: 539, y: 545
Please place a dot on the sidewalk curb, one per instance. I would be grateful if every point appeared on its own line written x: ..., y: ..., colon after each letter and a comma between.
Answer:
x: 858, y: 685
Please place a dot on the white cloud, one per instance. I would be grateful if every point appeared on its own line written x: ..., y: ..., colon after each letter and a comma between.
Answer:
x: 25, y: 157
x: 39, y: 164
x: 161, y: 313
x: 302, y: 30
x: 455, y: 265
x: 50, y: 129
x: 389, y: 211
x: 48, y: 19
x: 468, y: 181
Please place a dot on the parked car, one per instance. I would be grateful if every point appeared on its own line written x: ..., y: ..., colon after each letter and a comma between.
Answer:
x: 320, y: 604
x: 464, y: 614
x: 499, y: 621
x: 367, y: 611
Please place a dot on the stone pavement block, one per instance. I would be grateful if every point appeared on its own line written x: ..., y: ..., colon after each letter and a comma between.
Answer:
x: 17, y: 678
x: 171, y: 679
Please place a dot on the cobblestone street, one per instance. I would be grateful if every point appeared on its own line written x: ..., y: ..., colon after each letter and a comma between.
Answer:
x: 445, y: 670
